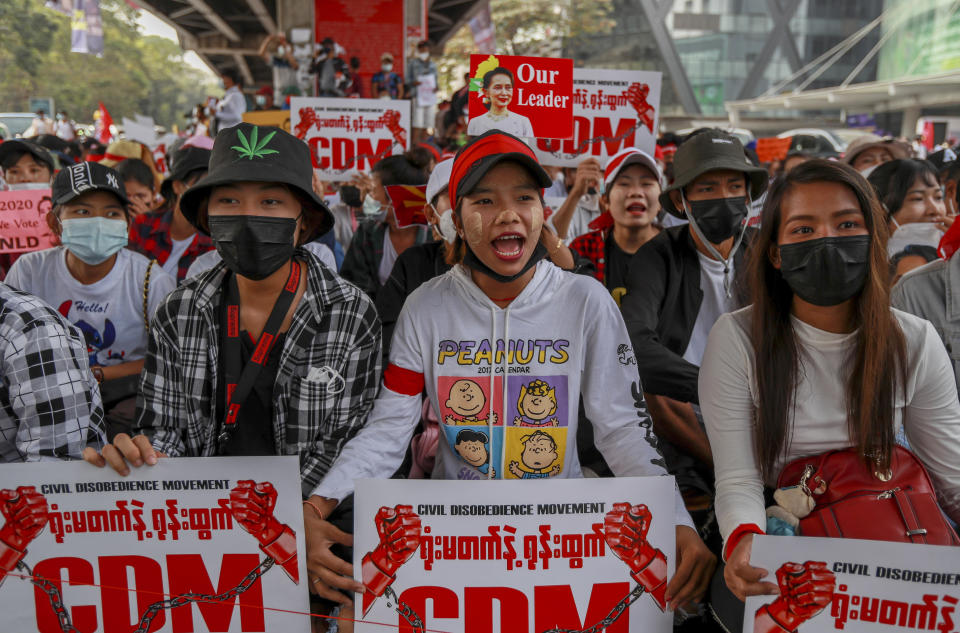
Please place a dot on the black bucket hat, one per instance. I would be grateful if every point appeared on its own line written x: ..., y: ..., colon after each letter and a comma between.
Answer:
x: 711, y: 150
x: 36, y: 150
x: 74, y: 181
x: 256, y: 153
x: 184, y: 161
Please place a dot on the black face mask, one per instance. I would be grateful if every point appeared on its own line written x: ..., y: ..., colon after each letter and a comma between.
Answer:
x: 719, y: 219
x: 826, y: 271
x: 253, y: 246
x: 472, y: 261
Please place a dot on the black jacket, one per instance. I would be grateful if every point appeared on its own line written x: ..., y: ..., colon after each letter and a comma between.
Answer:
x: 413, y: 267
x: 661, y: 305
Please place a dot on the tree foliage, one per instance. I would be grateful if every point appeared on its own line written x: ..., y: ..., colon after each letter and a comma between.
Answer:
x: 137, y: 74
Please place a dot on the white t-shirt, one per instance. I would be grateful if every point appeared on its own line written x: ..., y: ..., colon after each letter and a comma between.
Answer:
x: 513, y: 123
x: 109, y: 312
x: 388, y: 259
x: 208, y: 260
x: 176, y: 252
x: 927, y: 408
x: 715, y: 302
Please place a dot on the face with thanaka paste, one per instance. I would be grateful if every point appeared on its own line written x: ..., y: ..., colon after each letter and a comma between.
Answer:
x: 502, y: 217
x: 499, y: 92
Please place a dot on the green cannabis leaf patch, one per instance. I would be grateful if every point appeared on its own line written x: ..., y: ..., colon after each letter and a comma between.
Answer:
x: 252, y: 149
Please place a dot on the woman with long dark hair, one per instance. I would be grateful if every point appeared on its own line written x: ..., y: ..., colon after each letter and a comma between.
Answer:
x: 819, y: 362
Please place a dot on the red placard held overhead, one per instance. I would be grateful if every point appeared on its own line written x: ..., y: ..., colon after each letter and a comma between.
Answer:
x: 525, y: 96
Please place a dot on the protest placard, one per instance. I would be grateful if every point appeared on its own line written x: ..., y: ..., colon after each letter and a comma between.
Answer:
x: 511, y: 556
x: 140, y: 129
x: 349, y: 135
x: 276, y: 118
x: 23, y: 221
x: 773, y: 148
x: 857, y: 586
x: 186, y: 545
x: 612, y: 109
x: 524, y: 96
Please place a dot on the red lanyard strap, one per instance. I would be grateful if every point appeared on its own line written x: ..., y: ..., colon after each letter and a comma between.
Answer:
x: 240, y: 384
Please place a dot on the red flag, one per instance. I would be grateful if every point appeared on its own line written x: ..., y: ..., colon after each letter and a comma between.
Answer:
x: 408, y: 202
x: 103, y: 133
x: 950, y: 241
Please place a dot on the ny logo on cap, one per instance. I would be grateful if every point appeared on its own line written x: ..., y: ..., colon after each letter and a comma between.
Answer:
x: 252, y: 149
x: 112, y: 180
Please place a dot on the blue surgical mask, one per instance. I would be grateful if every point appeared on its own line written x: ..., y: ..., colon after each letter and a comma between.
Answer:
x: 94, y: 240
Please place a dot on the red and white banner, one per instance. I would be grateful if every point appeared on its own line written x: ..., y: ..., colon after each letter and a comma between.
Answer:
x: 515, y: 556
x: 612, y: 109
x: 525, y: 96
x: 23, y: 221
x: 856, y: 586
x: 349, y: 135
x: 196, y: 545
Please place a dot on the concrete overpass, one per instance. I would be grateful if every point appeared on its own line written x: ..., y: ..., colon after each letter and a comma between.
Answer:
x: 228, y: 33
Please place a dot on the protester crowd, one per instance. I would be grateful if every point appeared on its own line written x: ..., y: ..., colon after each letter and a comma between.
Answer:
x: 700, y: 315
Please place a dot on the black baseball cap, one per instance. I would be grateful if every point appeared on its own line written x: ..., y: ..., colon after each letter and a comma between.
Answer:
x: 711, y: 150
x: 256, y: 153
x: 42, y: 154
x: 73, y: 181
x: 483, y: 153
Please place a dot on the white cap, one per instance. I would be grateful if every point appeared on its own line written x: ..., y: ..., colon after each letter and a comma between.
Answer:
x: 629, y: 156
x: 439, y: 179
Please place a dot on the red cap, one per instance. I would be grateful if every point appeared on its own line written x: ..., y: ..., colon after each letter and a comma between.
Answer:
x: 481, y: 154
x: 266, y: 90
x: 433, y: 150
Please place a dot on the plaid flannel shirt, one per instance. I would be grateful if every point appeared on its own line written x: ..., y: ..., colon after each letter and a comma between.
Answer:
x: 593, y: 246
x: 150, y: 236
x: 335, y: 326
x: 49, y: 401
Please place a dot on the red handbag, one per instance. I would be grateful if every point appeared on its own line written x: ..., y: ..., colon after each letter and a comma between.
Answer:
x: 852, y: 502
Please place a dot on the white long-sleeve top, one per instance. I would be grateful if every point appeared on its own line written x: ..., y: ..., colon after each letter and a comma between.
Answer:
x: 563, y: 337
x: 231, y: 108
x: 927, y: 408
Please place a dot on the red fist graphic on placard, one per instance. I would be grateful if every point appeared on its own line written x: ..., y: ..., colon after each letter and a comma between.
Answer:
x: 625, y: 529
x: 805, y: 590
x: 399, y: 531
x: 25, y: 513
x: 252, y: 507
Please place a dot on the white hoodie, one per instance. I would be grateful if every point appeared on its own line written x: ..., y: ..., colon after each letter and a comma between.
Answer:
x: 566, y: 336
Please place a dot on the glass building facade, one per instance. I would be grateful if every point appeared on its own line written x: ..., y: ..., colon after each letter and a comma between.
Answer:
x: 733, y: 49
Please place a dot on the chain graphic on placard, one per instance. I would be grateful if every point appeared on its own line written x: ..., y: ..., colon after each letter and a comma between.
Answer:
x: 53, y: 595
x: 406, y: 611
x: 612, y: 617
x: 63, y: 616
x: 186, y: 598
x: 582, y: 147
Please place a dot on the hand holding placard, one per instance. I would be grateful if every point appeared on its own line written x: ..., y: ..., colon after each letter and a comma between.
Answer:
x: 252, y: 506
x: 805, y: 590
x: 25, y: 513
x: 625, y: 530
x: 399, y: 532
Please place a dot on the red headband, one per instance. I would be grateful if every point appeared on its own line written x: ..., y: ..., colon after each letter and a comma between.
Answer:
x: 481, y: 148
